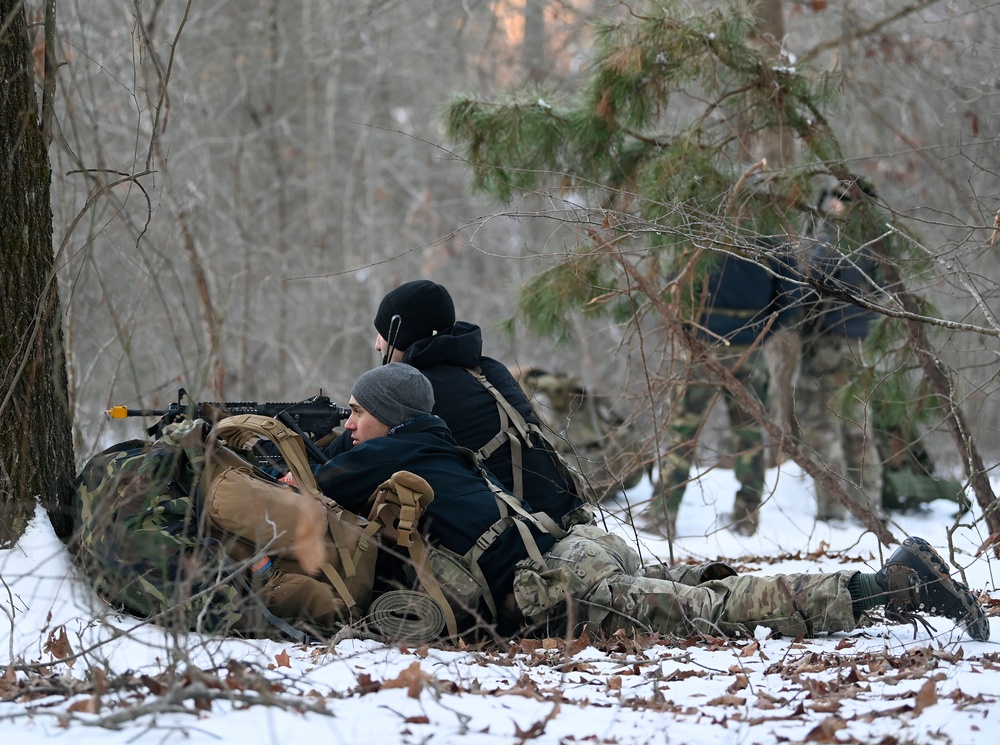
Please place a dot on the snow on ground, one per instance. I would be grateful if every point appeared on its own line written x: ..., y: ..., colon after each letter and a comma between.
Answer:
x: 876, y: 685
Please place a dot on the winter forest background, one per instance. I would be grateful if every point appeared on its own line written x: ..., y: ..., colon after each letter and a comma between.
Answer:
x: 236, y: 183
x: 259, y: 174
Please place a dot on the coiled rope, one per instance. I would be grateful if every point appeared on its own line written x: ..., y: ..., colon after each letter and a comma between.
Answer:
x: 407, y: 616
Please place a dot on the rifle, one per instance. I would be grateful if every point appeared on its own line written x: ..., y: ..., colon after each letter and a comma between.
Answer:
x: 311, y: 419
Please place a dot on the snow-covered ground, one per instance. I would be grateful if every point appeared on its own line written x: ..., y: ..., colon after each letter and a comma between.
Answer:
x: 876, y: 685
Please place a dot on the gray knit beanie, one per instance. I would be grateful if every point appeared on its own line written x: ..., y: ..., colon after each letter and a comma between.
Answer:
x: 394, y: 393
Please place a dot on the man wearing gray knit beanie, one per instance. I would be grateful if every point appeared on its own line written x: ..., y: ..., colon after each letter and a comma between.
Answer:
x: 391, y: 394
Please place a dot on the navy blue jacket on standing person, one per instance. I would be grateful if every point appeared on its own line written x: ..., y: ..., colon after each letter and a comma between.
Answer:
x: 471, y: 413
x: 463, y: 507
x: 742, y: 295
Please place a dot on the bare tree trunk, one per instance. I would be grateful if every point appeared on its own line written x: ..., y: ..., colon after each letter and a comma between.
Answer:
x: 781, y: 351
x: 36, y: 446
x: 777, y: 146
x: 533, y: 48
x: 281, y: 198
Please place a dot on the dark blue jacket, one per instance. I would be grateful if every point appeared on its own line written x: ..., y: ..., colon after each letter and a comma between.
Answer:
x: 741, y: 295
x: 840, y: 260
x: 470, y: 411
x: 463, y: 506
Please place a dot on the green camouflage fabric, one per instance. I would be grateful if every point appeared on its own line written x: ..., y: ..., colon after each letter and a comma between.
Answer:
x: 607, y: 589
x: 691, y: 409
x: 593, y: 440
x: 137, y: 533
x: 908, y: 475
x: 838, y: 428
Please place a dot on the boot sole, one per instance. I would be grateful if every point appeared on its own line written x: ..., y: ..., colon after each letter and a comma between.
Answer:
x: 946, y: 591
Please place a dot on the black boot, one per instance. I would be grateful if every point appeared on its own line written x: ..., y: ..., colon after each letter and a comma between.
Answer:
x: 916, y: 578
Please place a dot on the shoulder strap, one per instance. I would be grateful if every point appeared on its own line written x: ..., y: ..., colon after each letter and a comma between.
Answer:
x: 513, y: 429
x: 289, y: 444
x: 512, y: 514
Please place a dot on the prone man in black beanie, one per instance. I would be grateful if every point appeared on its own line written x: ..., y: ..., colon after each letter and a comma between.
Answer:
x: 416, y: 324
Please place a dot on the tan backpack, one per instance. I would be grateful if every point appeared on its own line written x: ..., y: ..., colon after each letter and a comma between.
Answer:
x: 322, y: 556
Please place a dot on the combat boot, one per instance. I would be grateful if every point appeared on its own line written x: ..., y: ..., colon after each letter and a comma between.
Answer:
x: 746, y: 514
x: 916, y: 578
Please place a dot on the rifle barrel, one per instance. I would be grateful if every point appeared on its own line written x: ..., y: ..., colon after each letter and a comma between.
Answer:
x: 121, y: 412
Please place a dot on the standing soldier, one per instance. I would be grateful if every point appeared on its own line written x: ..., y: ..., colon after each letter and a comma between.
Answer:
x: 740, y: 298
x: 836, y: 425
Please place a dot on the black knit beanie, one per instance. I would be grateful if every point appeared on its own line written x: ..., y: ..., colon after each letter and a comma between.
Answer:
x: 424, y: 309
x: 394, y: 393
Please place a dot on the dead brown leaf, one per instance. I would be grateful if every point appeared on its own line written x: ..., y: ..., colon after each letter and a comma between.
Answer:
x: 766, y: 701
x: 89, y: 705
x: 741, y: 682
x: 366, y: 685
x: 826, y: 731
x: 413, y: 679
x: 826, y: 705
x: 678, y: 675
x: 58, y: 645
x: 728, y: 700
x: 926, y: 696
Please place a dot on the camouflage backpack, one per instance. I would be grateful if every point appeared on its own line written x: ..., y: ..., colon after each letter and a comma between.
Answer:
x: 592, y: 439
x: 137, y: 536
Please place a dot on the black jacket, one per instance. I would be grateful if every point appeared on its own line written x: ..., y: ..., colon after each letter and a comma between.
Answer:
x: 463, y: 506
x: 470, y: 412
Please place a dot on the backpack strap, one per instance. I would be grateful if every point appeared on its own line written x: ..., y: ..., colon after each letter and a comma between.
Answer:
x: 512, y: 514
x: 513, y: 429
x: 397, y: 506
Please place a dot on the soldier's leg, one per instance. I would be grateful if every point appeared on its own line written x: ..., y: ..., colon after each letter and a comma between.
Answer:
x: 748, y: 446
x: 791, y: 605
x: 675, y: 466
x: 600, y: 575
x: 821, y: 426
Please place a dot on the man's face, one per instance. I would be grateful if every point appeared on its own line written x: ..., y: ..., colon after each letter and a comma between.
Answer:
x: 381, y: 345
x: 362, y: 425
x: 835, y: 206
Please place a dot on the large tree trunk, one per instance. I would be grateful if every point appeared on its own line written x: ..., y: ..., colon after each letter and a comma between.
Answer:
x: 36, y: 447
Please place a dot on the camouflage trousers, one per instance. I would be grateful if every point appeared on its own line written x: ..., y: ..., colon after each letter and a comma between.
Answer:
x: 689, y: 415
x: 594, y: 581
x: 836, y: 427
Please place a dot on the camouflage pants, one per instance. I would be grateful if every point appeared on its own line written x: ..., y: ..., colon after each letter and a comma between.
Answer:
x: 689, y: 416
x: 595, y: 581
x: 836, y: 427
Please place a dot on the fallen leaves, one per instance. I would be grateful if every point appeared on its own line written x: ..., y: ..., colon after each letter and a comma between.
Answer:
x: 926, y: 696
x: 413, y: 679
x: 57, y: 644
